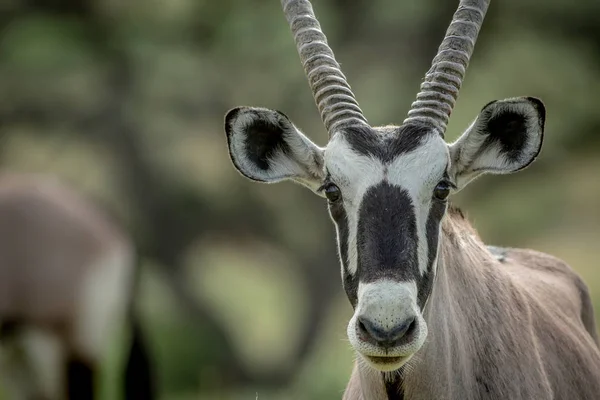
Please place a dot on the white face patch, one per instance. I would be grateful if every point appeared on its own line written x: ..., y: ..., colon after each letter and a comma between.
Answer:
x: 417, y: 172
x: 354, y: 174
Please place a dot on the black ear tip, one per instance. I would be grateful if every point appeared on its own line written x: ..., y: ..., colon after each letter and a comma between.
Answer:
x: 539, y: 106
x: 232, y: 115
x: 536, y: 101
x: 282, y: 114
x: 488, y: 104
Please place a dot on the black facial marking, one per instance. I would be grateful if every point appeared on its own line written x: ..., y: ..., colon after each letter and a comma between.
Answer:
x: 263, y: 139
x: 509, y: 130
x: 394, y: 388
x: 387, y: 144
x: 350, y: 282
x: 436, y: 213
x: 387, y: 235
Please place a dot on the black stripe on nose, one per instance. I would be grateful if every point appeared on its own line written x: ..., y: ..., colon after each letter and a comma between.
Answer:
x: 387, y: 235
x: 350, y: 281
x: 436, y: 213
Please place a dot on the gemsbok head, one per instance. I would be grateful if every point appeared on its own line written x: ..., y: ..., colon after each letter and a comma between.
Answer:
x: 437, y: 314
x: 67, y: 276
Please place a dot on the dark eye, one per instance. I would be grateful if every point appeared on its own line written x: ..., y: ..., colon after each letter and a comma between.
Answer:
x: 441, y: 191
x: 332, y: 192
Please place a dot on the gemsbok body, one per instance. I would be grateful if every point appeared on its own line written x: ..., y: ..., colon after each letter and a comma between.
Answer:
x: 437, y: 314
x: 66, y: 285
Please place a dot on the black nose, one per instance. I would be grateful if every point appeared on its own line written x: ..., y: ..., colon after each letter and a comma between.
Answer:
x: 387, y: 338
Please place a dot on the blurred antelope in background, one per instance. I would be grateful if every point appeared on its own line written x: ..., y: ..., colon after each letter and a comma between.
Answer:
x: 437, y: 314
x: 67, y: 276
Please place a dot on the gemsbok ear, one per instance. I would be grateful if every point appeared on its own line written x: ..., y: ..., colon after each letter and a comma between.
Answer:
x: 265, y: 146
x: 506, y: 137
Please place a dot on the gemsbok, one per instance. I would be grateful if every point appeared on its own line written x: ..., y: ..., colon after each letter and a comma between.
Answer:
x: 437, y: 313
x: 67, y: 276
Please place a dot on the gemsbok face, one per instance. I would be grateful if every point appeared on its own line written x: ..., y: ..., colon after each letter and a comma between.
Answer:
x: 387, y: 188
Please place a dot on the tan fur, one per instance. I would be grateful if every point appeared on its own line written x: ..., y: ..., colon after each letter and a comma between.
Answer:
x: 63, y: 265
x: 353, y: 389
x: 518, y: 329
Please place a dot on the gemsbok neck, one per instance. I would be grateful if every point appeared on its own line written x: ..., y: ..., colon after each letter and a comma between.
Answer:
x: 479, y: 318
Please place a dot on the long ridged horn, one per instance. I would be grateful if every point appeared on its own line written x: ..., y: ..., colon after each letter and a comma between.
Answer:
x: 439, y: 90
x: 332, y: 93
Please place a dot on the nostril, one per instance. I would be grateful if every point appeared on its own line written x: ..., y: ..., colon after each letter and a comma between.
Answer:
x: 411, y: 328
x: 403, y: 329
x: 362, y: 327
x: 370, y: 332
x: 367, y: 329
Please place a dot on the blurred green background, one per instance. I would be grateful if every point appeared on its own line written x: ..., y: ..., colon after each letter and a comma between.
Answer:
x: 241, y: 292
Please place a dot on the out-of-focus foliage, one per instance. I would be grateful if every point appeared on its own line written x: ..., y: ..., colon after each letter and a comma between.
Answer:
x: 241, y: 291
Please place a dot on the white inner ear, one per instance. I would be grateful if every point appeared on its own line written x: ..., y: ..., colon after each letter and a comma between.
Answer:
x: 469, y: 159
x: 305, y: 159
x: 303, y: 162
